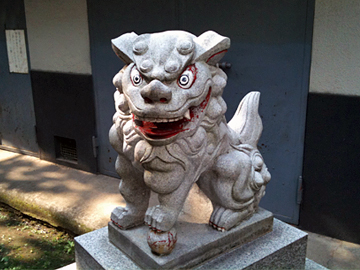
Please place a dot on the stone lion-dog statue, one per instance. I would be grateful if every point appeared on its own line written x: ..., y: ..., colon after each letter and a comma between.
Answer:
x: 170, y: 132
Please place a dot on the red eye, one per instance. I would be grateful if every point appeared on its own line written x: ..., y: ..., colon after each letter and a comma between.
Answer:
x: 188, y: 77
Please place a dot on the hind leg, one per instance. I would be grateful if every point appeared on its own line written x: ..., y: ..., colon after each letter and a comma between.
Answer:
x: 228, y: 187
x: 135, y: 193
x: 223, y: 219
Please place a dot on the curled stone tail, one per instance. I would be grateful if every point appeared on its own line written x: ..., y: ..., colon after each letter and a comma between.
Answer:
x: 246, y: 121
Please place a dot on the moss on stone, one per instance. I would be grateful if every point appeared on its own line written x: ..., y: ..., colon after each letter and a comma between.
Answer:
x: 52, y: 217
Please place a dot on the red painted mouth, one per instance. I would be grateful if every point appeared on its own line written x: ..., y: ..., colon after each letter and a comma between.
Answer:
x: 164, y: 130
x: 158, y: 131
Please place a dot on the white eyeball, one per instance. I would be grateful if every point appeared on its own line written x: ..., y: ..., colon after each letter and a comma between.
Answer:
x: 135, y: 76
x: 187, y: 78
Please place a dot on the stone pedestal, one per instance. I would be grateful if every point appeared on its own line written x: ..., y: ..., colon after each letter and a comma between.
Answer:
x: 198, y: 247
x: 196, y: 242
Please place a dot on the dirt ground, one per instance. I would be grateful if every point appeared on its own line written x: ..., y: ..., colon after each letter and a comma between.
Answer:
x: 26, y: 243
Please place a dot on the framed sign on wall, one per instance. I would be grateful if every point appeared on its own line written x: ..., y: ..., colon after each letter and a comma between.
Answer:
x: 16, y: 49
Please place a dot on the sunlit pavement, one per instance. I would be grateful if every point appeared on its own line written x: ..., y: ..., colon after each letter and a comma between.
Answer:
x: 333, y: 253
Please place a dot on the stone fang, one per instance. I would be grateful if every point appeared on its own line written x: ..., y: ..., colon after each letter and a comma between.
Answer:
x: 187, y: 115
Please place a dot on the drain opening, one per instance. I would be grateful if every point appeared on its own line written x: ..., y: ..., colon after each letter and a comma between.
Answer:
x: 66, y: 149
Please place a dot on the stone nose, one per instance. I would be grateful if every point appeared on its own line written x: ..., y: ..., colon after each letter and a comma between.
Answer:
x: 156, y: 91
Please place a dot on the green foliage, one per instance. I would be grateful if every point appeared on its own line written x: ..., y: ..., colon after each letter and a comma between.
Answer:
x: 31, y: 244
x: 69, y: 247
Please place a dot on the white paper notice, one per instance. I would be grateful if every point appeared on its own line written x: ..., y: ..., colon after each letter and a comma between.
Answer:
x: 16, y: 49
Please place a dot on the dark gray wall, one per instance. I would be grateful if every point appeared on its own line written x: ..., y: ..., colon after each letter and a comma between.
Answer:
x: 64, y: 108
x: 17, y: 119
x: 331, y: 169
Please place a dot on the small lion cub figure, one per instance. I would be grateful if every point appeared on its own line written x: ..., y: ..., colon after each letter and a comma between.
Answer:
x: 170, y: 132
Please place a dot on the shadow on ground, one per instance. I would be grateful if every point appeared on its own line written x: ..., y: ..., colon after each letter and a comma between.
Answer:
x: 66, y: 197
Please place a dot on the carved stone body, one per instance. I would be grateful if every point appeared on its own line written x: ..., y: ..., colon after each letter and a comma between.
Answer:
x: 170, y: 132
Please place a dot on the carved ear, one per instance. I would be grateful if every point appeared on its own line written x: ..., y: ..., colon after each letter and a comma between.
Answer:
x: 211, y: 47
x: 123, y: 47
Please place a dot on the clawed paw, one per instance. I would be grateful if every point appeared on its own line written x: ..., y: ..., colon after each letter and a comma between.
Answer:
x: 216, y: 227
x: 160, y: 218
x: 223, y: 219
x: 125, y: 219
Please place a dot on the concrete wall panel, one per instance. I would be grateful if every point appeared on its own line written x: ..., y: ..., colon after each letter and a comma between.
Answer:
x: 58, y: 35
x: 335, y: 65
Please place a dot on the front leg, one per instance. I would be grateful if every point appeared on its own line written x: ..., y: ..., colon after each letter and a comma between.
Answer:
x: 135, y: 193
x: 164, y: 216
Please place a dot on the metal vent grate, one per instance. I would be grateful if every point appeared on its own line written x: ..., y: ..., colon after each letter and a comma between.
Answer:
x: 66, y: 149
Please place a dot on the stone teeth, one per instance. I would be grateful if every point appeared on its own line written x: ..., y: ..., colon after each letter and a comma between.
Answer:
x: 187, y: 115
x: 179, y: 118
x: 163, y: 120
x: 158, y: 120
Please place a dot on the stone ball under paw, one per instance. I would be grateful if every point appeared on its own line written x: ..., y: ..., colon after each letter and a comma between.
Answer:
x: 162, y: 243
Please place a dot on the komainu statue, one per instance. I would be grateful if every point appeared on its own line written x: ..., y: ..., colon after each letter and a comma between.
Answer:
x: 170, y: 132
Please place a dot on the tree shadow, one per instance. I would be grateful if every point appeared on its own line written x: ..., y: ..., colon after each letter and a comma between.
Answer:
x: 60, y: 195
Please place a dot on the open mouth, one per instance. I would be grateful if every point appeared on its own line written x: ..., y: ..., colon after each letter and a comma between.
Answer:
x: 163, y: 128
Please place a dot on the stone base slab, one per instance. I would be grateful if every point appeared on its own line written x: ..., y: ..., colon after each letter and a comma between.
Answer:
x: 196, y: 242
x: 283, y: 247
x: 309, y: 265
